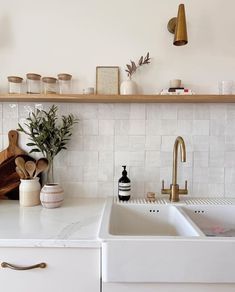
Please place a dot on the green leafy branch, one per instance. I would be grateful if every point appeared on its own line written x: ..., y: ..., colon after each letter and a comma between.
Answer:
x: 45, y: 133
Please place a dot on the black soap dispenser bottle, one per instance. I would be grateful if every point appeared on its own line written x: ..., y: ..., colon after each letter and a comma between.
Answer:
x: 124, y: 186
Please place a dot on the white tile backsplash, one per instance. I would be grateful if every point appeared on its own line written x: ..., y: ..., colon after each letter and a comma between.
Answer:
x: 216, y: 159
x: 106, y: 128
x: 201, y: 159
x: 218, y: 110
x: 137, y: 158
x: 216, y: 175
x: 200, y: 143
x: 169, y: 111
x: 200, y: 175
x: 230, y: 111
x: 152, y: 142
x: 105, y: 172
x: 184, y: 127
x: 105, y: 143
x: 122, y: 111
x: 136, y: 143
x: 137, y: 111
x: 169, y: 127
x: 122, y: 127
x: 217, y: 127
x: 217, y: 143
x: 153, y: 127
x: 140, y: 136
x: 106, y: 111
x: 88, y: 111
x: 201, y: 112
x: 153, y: 158
x: 185, y: 112
x: 215, y: 190
x: 106, y: 157
x: 90, y: 127
x: 137, y: 127
x: 230, y: 127
x: 153, y: 111
x: 201, y: 127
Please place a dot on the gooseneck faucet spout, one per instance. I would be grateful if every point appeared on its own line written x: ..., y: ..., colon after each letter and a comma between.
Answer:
x: 179, y: 141
x: 174, y: 191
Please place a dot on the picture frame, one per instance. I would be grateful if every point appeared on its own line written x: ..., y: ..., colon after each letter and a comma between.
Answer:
x: 107, y: 80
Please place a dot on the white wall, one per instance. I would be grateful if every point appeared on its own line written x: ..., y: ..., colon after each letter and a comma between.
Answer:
x: 49, y: 37
x: 53, y: 36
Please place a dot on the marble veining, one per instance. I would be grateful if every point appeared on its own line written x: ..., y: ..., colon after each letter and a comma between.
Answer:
x: 75, y: 224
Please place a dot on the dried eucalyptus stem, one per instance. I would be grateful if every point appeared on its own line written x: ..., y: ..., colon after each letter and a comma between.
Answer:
x: 131, y: 69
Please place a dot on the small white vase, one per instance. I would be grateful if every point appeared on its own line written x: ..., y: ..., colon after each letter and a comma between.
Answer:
x: 128, y: 87
x: 52, y: 196
x: 29, y: 192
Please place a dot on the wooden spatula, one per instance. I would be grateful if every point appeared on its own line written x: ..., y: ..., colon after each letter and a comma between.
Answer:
x: 13, y: 149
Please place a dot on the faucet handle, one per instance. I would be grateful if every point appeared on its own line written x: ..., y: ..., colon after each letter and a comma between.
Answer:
x: 165, y: 191
x: 185, y: 190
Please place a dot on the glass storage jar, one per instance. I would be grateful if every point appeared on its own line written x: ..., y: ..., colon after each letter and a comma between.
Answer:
x: 33, y: 83
x: 65, y: 83
x: 49, y: 85
x: 14, y: 84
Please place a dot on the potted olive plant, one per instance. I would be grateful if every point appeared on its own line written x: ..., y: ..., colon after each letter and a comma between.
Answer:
x: 48, y: 135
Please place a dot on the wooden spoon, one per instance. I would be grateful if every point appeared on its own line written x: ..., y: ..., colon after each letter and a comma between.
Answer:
x: 20, y: 172
x: 41, y: 165
x: 30, y: 167
x: 20, y: 162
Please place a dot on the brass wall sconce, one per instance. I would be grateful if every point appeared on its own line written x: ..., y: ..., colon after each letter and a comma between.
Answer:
x: 177, y: 26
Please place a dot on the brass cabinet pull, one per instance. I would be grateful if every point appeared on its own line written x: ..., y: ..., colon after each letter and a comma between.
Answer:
x: 22, y: 268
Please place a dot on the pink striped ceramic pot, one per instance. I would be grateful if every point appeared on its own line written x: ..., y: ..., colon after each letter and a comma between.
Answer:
x: 51, y: 196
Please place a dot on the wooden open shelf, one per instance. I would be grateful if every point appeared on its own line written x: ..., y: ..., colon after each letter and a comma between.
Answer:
x: 203, y: 98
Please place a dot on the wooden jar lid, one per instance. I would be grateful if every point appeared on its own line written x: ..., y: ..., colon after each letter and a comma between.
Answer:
x: 33, y: 76
x: 49, y: 79
x: 15, y: 79
x: 64, y: 76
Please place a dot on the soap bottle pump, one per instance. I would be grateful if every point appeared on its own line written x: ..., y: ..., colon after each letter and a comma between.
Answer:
x: 124, y: 186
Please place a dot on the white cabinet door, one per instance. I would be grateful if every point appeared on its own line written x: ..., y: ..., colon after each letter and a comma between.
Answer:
x: 67, y: 270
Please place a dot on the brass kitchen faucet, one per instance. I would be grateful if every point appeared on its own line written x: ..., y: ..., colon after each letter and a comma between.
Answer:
x: 174, y: 191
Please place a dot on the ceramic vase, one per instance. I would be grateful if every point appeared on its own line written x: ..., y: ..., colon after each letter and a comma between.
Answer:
x: 29, y: 192
x: 128, y: 87
x: 52, y: 196
x: 50, y: 172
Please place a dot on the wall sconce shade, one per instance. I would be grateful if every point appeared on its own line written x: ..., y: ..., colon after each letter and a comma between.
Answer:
x: 177, y: 25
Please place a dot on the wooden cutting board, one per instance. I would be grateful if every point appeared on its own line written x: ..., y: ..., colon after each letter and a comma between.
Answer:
x: 13, y: 149
x: 9, y: 179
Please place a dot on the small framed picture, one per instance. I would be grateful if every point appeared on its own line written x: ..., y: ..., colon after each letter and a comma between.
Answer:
x: 107, y: 80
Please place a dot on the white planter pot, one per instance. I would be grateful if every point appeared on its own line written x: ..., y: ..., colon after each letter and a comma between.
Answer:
x: 29, y: 192
x: 52, y: 196
x: 128, y: 87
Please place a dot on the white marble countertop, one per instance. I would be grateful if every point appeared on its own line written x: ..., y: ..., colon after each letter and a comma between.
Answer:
x: 74, y: 224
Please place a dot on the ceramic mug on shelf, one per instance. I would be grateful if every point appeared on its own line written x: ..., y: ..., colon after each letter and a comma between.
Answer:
x: 175, y: 83
x: 89, y: 90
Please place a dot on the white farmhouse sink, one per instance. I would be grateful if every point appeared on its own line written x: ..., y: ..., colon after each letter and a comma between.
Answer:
x: 216, y: 221
x: 164, y: 243
x: 148, y: 220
